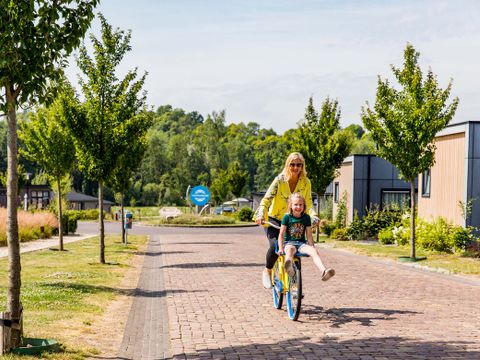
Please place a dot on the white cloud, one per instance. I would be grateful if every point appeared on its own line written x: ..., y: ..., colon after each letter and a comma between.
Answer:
x: 261, y: 60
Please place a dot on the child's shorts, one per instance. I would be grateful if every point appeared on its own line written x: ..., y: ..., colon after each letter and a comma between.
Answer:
x: 298, y: 244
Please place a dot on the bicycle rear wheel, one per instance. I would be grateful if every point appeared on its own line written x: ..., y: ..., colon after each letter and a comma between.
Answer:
x: 277, y: 288
x: 294, y: 293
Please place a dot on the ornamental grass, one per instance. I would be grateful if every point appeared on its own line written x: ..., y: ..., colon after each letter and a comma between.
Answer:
x: 31, y: 225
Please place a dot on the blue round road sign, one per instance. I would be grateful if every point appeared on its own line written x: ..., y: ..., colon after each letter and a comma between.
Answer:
x: 200, y: 195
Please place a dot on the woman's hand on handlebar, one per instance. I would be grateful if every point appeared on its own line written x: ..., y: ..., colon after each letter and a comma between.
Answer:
x: 315, y: 221
x: 259, y: 220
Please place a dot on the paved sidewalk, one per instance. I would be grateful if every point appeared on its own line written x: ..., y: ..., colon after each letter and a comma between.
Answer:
x: 45, y: 243
x: 200, y: 296
x: 146, y: 334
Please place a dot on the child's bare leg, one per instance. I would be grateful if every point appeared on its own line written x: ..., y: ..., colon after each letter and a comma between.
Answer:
x: 313, y: 253
x: 289, y: 253
x: 327, y: 273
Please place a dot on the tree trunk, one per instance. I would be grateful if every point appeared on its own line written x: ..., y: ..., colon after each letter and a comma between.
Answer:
x: 14, y: 265
x: 412, y: 220
x: 122, y: 215
x: 100, y: 221
x: 60, y: 224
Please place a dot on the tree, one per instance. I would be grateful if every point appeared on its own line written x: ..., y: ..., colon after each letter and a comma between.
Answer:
x: 209, y: 141
x: 107, y: 122
x: 219, y: 186
x: 155, y: 161
x: 236, y: 178
x: 238, y: 144
x: 47, y: 143
x: 323, y: 144
x: 365, y: 145
x: 36, y: 37
x: 404, y: 122
x: 270, y: 153
x: 356, y: 130
x: 128, y: 162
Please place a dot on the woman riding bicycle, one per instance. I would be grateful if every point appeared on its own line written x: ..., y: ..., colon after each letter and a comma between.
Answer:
x: 293, y: 179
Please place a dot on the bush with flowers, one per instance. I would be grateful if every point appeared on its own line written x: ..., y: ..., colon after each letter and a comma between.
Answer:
x: 437, y: 235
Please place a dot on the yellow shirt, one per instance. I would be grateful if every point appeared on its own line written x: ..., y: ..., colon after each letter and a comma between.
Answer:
x: 274, y: 203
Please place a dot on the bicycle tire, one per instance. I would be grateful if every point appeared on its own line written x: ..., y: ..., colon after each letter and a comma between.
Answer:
x: 277, y: 287
x: 294, y: 293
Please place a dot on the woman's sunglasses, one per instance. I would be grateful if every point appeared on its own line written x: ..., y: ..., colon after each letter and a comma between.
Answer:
x: 296, y: 164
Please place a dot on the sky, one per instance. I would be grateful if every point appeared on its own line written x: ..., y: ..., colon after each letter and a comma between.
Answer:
x: 261, y: 60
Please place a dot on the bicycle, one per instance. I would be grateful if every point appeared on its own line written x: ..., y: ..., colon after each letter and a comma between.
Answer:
x: 285, y: 285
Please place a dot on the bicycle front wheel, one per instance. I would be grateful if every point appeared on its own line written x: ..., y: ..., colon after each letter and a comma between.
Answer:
x: 294, y: 293
x: 277, y: 288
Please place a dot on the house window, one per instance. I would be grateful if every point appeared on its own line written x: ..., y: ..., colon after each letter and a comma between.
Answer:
x: 395, y: 199
x: 336, y: 192
x: 426, y: 183
x: 40, y: 199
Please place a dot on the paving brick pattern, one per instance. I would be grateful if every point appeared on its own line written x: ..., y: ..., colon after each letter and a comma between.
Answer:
x: 205, y: 285
x: 146, y: 333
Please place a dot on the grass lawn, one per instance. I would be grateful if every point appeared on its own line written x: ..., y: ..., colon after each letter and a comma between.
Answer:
x: 454, y: 263
x: 64, y: 293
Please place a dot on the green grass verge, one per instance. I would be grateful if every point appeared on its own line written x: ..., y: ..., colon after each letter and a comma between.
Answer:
x: 64, y: 293
x: 455, y: 263
x: 196, y: 220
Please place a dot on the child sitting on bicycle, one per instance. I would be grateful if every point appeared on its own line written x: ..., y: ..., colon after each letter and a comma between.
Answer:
x: 296, y: 225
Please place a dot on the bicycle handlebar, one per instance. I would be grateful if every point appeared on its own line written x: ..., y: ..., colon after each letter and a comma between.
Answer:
x: 269, y: 223
x: 272, y: 225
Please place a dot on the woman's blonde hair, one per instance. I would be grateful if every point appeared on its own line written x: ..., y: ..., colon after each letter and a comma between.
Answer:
x: 294, y: 156
x: 290, y: 200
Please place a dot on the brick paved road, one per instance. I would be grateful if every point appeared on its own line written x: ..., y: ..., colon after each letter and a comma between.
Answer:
x: 207, y: 282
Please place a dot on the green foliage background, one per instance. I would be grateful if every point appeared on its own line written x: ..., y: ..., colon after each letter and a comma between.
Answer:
x: 183, y: 148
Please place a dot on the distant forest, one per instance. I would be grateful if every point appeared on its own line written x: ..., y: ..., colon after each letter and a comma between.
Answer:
x: 186, y: 149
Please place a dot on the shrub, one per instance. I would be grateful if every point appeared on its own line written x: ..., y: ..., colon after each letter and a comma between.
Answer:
x: 70, y: 221
x: 434, y: 235
x: 401, y: 234
x: 326, y: 227
x: 462, y: 237
x: 385, y: 236
x: 191, y: 219
x: 377, y: 219
x: 341, y: 216
x: 326, y: 208
x: 473, y: 250
x: 245, y: 214
x: 89, y: 214
x: 339, y: 234
x: 355, y: 230
x: 441, y: 235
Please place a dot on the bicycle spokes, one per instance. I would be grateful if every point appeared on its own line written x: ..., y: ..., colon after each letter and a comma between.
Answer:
x: 294, y: 294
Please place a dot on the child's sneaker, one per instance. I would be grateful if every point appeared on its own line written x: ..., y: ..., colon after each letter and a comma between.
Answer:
x: 327, y: 274
x: 289, y: 268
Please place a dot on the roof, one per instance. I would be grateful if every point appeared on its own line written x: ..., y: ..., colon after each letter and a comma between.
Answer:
x: 241, y: 200
x: 73, y: 196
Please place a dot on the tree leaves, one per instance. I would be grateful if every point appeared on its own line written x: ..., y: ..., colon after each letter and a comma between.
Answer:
x: 109, y: 126
x: 323, y: 144
x: 404, y: 122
